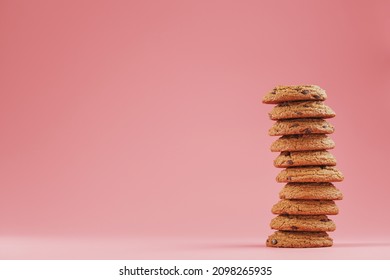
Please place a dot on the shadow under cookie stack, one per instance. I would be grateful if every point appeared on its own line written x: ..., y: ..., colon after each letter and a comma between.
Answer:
x: 309, y: 169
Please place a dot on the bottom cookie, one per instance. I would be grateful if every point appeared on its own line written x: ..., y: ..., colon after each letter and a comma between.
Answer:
x: 288, y: 239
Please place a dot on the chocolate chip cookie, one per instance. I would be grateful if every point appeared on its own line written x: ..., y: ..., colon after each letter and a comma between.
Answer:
x: 305, y: 158
x: 301, y: 126
x: 301, y: 109
x: 303, y: 223
x: 290, y: 239
x: 309, y: 142
x: 305, y: 207
x: 308, y: 191
x: 294, y: 93
x: 310, y: 174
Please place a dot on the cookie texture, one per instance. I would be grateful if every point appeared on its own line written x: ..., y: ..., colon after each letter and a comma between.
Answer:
x: 301, y: 109
x: 294, y: 93
x: 289, y: 159
x: 309, y: 142
x: 310, y: 174
x: 290, y: 239
x: 301, y: 126
x: 303, y: 223
x: 305, y: 207
x: 308, y: 191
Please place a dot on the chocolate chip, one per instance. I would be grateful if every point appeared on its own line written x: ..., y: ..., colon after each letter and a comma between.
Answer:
x: 306, y: 105
x: 324, y: 126
x: 305, y: 91
x: 323, y: 167
x: 287, y: 154
x: 294, y: 136
x: 274, y: 241
x: 294, y: 227
x: 284, y: 104
x: 289, y: 178
x: 298, y: 113
x: 294, y: 125
x: 273, y: 91
x: 325, y: 220
x: 307, y: 131
x: 316, y: 96
x: 290, y: 162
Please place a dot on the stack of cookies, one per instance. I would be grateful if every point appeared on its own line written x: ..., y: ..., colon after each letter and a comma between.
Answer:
x: 309, y: 169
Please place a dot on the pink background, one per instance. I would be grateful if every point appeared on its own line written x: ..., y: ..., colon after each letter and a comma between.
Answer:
x: 135, y: 129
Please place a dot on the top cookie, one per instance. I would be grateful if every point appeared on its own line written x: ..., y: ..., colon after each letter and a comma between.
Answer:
x: 294, y: 93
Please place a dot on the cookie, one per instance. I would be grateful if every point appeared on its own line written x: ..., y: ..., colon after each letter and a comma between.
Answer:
x: 289, y: 159
x: 303, y: 223
x: 319, y: 191
x: 294, y: 93
x: 300, y: 126
x: 288, y: 239
x: 310, y: 174
x: 305, y: 207
x: 301, y: 109
x: 309, y: 142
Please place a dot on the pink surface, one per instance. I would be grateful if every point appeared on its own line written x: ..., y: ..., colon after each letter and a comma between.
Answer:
x: 141, y: 120
x: 180, y: 247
